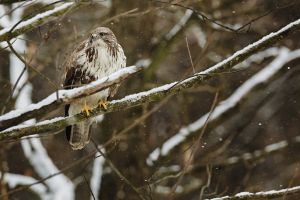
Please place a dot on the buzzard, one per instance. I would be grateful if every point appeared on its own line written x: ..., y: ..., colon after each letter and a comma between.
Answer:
x: 96, y: 57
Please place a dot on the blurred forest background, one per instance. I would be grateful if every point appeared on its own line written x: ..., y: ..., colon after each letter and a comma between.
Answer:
x: 252, y: 144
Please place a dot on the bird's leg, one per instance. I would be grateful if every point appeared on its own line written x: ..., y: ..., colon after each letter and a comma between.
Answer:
x: 86, y: 109
x: 103, y: 104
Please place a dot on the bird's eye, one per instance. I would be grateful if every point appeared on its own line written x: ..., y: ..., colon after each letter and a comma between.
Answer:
x: 102, y: 34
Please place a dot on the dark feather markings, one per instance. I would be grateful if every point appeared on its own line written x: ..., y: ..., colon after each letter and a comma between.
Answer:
x: 112, y: 48
x: 90, y: 54
x: 69, y: 83
x: 74, y: 78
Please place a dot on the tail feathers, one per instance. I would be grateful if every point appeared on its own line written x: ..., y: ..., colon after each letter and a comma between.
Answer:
x: 68, y: 128
x: 79, y: 135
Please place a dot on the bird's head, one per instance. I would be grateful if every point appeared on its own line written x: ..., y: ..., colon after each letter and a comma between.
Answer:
x: 102, y: 35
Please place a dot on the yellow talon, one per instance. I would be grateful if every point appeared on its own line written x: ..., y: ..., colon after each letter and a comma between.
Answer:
x: 103, y: 104
x: 86, y: 109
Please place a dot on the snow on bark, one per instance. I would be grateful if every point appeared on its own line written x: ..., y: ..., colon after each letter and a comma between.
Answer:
x: 261, y: 195
x: 165, y: 90
x: 284, y: 56
x: 68, y: 95
x: 14, y: 180
x: 9, y: 32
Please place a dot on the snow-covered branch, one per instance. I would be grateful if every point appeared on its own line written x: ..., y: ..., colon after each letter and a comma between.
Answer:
x: 14, y: 180
x: 284, y: 57
x: 10, y: 1
x: 15, y: 30
x: 156, y: 93
x: 257, y: 154
x: 272, y: 194
x: 61, y: 187
x: 64, y: 96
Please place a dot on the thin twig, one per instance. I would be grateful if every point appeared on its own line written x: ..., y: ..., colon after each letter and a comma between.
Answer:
x: 208, y: 172
x: 138, y: 121
x: 13, y: 90
x: 119, y: 16
x: 195, y: 145
x: 90, y: 189
x: 32, y: 14
x: 55, y: 87
x: 204, y: 17
x: 190, y: 56
x: 116, y: 170
x: 21, y: 5
x: 263, y: 15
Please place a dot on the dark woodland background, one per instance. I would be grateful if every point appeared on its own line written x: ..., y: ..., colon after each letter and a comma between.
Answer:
x: 268, y: 115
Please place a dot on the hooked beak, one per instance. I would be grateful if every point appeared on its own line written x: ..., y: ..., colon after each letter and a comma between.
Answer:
x: 93, y: 37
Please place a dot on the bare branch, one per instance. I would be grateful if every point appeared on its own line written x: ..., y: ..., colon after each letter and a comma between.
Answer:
x: 204, y: 187
x: 46, y: 78
x: 200, y: 14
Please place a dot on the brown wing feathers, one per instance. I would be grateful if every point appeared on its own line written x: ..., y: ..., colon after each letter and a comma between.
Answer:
x: 69, y: 84
x: 75, y: 77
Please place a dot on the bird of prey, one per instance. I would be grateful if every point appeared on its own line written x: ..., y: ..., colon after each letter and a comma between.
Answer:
x: 96, y: 57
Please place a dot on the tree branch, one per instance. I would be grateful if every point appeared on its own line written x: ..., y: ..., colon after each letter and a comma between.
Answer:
x: 156, y: 93
x: 10, y: 1
x: 16, y: 180
x: 225, y: 107
x: 65, y: 96
x: 272, y: 194
x: 11, y: 32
